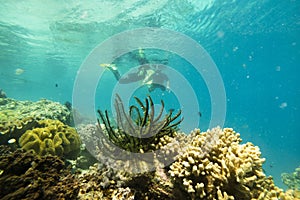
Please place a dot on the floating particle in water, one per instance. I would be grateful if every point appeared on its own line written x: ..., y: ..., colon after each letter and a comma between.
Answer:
x: 248, y: 76
x: 283, y: 105
x: 56, y: 85
x: 19, y: 71
x: 235, y: 48
x: 278, y: 68
x: 220, y: 34
x: 84, y: 15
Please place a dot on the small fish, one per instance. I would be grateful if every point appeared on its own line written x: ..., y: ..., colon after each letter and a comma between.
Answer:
x: 200, y: 114
x: 11, y: 141
x: 56, y: 85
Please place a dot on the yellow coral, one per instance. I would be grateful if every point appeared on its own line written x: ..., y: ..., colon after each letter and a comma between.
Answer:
x: 51, y: 137
x: 12, y: 127
x: 216, y: 166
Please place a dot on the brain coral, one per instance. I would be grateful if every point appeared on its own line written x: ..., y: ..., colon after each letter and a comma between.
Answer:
x: 51, y: 137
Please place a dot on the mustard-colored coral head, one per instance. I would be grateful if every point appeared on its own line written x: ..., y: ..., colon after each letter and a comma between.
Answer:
x: 51, y: 137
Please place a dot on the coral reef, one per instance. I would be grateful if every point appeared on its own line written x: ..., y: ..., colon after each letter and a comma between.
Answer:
x: 99, y: 182
x: 88, y: 134
x: 292, y: 180
x: 51, y: 137
x: 14, y: 128
x: 211, y: 165
x: 225, y: 170
x: 42, y: 109
x: 102, y: 182
x: 24, y: 175
x: 18, y: 116
x: 208, y: 165
x: 138, y: 132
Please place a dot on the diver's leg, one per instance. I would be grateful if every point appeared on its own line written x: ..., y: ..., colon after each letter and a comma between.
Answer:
x: 113, y: 69
x: 130, y: 78
x: 116, y: 74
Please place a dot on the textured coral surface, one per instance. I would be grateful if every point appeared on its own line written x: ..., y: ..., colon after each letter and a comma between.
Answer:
x: 18, y: 116
x: 222, y: 169
x: 51, y: 137
x: 42, y: 109
x: 25, y: 175
x: 292, y: 180
x: 208, y: 165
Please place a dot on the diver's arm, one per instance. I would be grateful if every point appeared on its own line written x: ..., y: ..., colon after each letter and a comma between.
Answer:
x: 115, y: 71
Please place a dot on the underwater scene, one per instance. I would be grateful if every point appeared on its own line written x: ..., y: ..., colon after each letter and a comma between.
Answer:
x: 159, y: 99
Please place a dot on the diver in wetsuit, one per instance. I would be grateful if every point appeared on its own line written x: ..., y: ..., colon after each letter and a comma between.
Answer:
x: 149, y: 74
x: 139, y: 75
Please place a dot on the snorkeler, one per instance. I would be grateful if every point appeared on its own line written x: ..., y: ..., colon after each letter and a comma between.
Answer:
x: 132, y: 77
x: 153, y: 77
x: 138, y: 75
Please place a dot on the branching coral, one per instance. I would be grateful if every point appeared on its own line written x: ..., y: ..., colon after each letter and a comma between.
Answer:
x: 225, y: 170
x: 140, y: 130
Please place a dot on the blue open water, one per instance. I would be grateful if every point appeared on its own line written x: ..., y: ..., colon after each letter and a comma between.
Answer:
x: 254, y: 44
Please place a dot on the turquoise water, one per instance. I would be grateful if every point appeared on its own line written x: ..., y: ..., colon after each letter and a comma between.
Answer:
x: 255, y: 46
